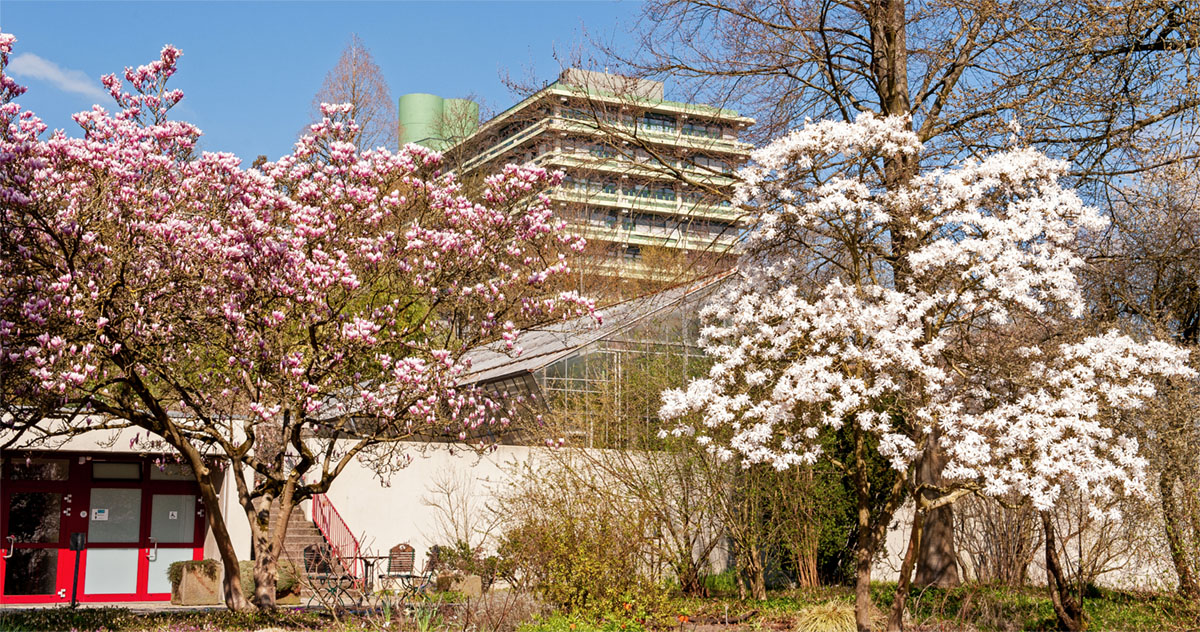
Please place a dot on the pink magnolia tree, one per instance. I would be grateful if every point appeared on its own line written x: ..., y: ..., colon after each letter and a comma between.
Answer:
x: 942, y: 313
x: 283, y: 321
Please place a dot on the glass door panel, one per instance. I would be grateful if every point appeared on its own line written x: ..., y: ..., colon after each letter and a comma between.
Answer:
x: 173, y: 519
x: 157, y: 581
x: 31, y: 572
x: 115, y: 515
x: 111, y: 571
x: 33, y: 528
x: 34, y: 517
x: 172, y: 523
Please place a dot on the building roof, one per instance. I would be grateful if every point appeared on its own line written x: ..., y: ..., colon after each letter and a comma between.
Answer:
x: 545, y: 344
x: 605, y: 88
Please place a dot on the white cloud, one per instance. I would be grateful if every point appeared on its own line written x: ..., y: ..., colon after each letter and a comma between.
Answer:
x: 65, y: 79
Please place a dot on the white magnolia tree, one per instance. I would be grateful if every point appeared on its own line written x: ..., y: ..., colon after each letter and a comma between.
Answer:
x: 938, y: 313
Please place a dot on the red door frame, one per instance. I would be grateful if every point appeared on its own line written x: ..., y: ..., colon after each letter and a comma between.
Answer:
x: 76, y: 503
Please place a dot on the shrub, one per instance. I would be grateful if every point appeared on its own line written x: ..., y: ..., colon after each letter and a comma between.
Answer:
x: 578, y: 550
x: 721, y: 583
x: 461, y: 560
x: 288, y: 580
x: 565, y: 623
x: 832, y: 616
x: 501, y: 611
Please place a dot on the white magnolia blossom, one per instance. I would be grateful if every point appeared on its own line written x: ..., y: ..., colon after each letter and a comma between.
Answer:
x: 991, y: 249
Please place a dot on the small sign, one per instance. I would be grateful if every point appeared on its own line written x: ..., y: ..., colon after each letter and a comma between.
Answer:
x: 100, y: 515
x: 172, y: 515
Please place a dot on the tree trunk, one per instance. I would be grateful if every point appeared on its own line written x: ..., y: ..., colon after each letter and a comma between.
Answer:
x: 267, y: 546
x: 688, y: 574
x: 266, y: 575
x: 864, y: 546
x: 1066, y: 608
x: 231, y: 584
x: 896, y: 619
x: 1172, y: 524
x: 937, y: 561
x: 862, y: 588
x: 756, y: 575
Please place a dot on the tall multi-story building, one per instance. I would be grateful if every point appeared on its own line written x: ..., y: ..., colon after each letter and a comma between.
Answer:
x: 647, y: 179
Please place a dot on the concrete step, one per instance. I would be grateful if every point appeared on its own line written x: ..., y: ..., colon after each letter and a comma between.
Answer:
x: 301, y: 533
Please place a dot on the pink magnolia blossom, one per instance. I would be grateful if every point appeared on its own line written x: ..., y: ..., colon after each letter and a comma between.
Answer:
x: 330, y: 290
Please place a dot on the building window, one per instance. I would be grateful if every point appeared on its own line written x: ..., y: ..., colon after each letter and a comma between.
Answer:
x: 712, y: 164
x: 655, y: 122
x: 37, y: 469
x: 638, y: 190
x: 652, y: 222
x: 576, y: 114
x: 602, y: 151
x: 110, y: 471
x: 703, y: 130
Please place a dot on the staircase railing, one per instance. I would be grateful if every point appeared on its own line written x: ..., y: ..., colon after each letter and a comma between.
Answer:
x: 339, y: 536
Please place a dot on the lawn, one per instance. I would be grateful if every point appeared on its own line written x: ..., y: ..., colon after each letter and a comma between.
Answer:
x: 970, y: 607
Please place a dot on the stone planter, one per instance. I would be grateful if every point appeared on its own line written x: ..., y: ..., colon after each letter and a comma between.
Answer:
x: 196, y: 583
x: 470, y: 586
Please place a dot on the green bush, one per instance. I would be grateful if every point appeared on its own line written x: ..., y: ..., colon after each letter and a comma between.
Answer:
x: 111, y: 619
x: 565, y: 623
x: 579, y: 565
x: 578, y: 552
x: 721, y: 583
x: 462, y: 560
x: 287, y: 580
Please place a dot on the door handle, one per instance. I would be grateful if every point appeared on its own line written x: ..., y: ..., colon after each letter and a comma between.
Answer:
x: 12, y: 544
x: 152, y: 554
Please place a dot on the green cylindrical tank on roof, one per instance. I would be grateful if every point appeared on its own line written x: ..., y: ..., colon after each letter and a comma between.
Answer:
x: 430, y: 120
x: 420, y: 118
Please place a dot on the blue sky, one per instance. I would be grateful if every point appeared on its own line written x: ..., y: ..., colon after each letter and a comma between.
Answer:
x: 250, y: 69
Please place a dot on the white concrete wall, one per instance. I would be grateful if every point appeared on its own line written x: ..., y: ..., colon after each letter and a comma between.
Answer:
x: 235, y: 521
x: 383, y: 515
x: 109, y: 441
x: 1139, y: 561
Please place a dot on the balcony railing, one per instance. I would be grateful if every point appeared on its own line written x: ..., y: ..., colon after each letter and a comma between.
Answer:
x: 675, y: 207
x: 572, y: 160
